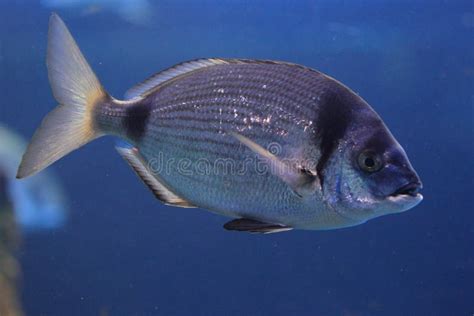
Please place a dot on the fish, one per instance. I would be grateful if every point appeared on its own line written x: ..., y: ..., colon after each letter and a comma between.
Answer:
x: 273, y: 145
x: 40, y: 201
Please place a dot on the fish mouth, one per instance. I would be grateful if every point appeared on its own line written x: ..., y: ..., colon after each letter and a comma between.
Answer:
x: 410, y: 189
x: 407, y: 196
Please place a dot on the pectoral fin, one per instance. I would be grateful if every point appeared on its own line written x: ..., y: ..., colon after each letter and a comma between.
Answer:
x: 133, y: 157
x: 254, y: 226
x: 301, y: 180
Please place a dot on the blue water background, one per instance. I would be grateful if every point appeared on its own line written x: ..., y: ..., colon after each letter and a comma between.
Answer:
x: 123, y: 253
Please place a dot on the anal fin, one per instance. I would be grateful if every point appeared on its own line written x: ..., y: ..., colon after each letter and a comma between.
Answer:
x: 133, y: 157
x: 254, y: 226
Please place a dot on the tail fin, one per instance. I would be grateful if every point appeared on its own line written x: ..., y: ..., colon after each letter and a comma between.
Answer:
x: 76, y: 88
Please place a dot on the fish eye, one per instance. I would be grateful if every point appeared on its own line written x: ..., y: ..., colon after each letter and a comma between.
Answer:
x: 370, y: 161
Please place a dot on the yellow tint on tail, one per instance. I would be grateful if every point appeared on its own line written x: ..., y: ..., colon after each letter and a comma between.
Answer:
x: 76, y: 88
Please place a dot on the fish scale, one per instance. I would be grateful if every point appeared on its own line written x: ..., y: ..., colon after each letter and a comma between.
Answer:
x: 248, y: 78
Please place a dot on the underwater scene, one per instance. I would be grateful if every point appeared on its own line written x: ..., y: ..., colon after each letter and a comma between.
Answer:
x: 236, y: 157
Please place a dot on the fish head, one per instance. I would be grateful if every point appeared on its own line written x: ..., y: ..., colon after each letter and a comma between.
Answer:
x: 371, y: 173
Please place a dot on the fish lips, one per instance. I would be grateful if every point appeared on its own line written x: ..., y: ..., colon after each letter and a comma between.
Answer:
x: 406, y: 197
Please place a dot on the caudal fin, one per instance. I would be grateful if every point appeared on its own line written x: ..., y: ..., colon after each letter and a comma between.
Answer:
x: 76, y: 88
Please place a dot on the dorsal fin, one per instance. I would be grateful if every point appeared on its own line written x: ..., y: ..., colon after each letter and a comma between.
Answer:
x: 133, y: 157
x: 152, y: 82
x: 146, y: 87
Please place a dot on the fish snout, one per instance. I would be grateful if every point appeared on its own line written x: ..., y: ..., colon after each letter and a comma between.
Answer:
x: 407, y: 195
x: 403, y: 191
x: 411, y: 188
x: 409, y: 182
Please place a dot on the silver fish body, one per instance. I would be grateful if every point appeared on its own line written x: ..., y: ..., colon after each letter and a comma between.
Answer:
x: 182, y: 129
x: 207, y: 133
